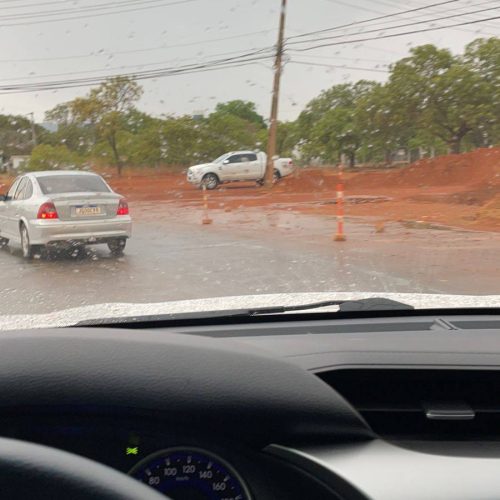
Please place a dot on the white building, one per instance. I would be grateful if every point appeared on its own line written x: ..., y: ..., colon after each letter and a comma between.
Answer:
x: 16, y: 161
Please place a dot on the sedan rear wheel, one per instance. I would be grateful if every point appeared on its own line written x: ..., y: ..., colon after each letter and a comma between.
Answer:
x: 29, y: 250
x: 117, y: 246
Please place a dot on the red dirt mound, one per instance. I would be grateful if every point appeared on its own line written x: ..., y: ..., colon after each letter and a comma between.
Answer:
x: 475, y: 174
x: 479, y: 167
x: 309, y: 180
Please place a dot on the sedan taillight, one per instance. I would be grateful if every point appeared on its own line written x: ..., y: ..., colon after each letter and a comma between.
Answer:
x: 47, y: 211
x: 122, y: 207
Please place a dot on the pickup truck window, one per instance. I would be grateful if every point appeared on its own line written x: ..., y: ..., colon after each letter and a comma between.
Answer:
x: 235, y: 159
x: 220, y: 159
x: 252, y: 157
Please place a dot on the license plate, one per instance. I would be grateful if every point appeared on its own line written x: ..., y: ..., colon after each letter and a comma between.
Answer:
x: 82, y: 211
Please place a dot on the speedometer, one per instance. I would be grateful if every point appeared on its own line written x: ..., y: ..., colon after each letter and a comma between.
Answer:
x: 191, y: 474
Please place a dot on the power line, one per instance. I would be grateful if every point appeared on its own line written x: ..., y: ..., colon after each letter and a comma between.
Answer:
x: 134, y: 51
x: 24, y: 6
x: 85, y: 16
x: 352, y: 59
x: 400, y: 13
x: 395, y: 3
x: 427, y: 14
x: 398, y: 26
x: 351, y: 5
x: 385, y: 16
x: 245, y: 59
x: 10, y: 1
x: 293, y: 61
x: 21, y: 90
x: 92, y: 8
x: 124, y: 67
x: 252, y: 57
x: 392, y: 35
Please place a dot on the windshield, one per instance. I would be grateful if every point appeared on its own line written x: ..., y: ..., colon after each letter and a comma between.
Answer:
x: 377, y: 127
x: 58, y: 184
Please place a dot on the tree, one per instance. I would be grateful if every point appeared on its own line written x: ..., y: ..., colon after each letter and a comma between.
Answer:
x: 106, y: 110
x: 438, y: 92
x: 173, y: 141
x: 71, y: 132
x: 222, y: 132
x: 245, y: 110
x: 483, y: 57
x: 47, y: 157
x: 286, y: 140
x: 328, y: 127
x: 15, y: 135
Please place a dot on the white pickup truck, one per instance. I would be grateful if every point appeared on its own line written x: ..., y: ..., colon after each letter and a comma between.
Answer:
x: 237, y: 166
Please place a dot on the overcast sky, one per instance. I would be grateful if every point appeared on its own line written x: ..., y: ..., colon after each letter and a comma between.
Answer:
x: 161, y: 35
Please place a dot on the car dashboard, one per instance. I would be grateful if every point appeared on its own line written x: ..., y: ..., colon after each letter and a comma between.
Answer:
x: 126, y: 444
x: 394, y: 406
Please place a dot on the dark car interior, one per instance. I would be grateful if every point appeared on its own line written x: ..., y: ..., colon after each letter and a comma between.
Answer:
x: 399, y: 404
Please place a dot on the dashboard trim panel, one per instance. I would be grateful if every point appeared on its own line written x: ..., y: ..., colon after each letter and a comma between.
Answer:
x: 383, y: 471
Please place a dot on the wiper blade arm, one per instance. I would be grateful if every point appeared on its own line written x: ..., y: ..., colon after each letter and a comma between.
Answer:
x: 371, y: 304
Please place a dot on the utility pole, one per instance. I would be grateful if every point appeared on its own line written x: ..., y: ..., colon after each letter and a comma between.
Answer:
x: 273, y: 125
x: 33, y: 129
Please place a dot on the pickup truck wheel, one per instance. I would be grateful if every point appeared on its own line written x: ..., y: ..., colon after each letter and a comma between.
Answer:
x: 276, y: 176
x: 210, y: 181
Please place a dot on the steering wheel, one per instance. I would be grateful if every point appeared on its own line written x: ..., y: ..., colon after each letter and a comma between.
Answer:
x: 32, y: 471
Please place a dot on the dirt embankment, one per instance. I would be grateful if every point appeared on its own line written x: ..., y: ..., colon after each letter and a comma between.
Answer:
x: 456, y: 190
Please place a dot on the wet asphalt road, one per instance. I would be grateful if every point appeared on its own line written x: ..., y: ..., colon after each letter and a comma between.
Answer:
x: 173, y: 257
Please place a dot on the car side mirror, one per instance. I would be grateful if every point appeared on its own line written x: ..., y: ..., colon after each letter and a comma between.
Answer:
x: 225, y: 162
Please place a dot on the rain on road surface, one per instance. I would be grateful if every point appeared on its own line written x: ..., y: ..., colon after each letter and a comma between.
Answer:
x: 171, y: 256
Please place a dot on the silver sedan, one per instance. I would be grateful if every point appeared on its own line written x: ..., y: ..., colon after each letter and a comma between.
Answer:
x: 63, y: 208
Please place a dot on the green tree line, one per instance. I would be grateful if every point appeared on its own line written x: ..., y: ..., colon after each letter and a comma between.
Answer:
x: 432, y: 99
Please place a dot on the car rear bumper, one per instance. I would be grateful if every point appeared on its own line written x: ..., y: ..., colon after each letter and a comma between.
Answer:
x: 44, y: 232
x: 287, y: 170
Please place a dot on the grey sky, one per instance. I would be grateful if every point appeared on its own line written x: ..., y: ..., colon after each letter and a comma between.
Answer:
x: 180, y: 34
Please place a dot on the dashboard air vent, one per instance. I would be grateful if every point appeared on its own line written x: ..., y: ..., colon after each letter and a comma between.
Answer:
x: 424, y: 404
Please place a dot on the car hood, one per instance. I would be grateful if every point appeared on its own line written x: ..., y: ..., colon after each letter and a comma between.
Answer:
x: 72, y: 316
x: 201, y: 166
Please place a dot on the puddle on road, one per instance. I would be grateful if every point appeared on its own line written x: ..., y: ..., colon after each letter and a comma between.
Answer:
x: 420, y: 224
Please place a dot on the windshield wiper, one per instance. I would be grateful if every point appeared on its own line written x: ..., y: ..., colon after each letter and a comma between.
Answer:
x: 362, y: 305
x: 373, y: 304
